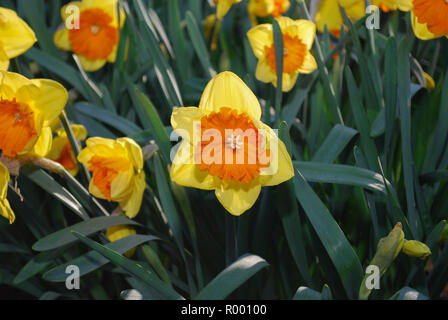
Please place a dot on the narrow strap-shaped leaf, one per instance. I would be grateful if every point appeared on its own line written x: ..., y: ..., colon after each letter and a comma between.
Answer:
x: 332, y: 237
x: 232, y: 277
x: 199, y: 44
x: 64, y: 237
x: 404, y: 106
x: 131, y: 267
x: 46, y: 182
x: 338, y: 138
x: 341, y: 174
x: 92, y: 260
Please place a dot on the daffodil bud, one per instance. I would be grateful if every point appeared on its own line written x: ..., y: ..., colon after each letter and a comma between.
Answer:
x: 416, y: 249
x: 430, y: 84
x: 390, y: 246
x: 388, y: 249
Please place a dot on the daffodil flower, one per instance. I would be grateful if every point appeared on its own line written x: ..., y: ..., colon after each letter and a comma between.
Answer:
x: 61, y: 150
x: 429, y: 19
x: 264, y: 8
x: 16, y: 37
x: 5, y: 208
x: 388, y: 5
x: 27, y: 109
x: 115, y: 233
x: 328, y: 14
x: 223, y: 6
x: 94, y: 35
x: 226, y: 148
x: 117, y: 169
x: 298, y: 38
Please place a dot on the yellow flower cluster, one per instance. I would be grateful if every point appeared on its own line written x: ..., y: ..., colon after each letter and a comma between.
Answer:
x: 91, y: 30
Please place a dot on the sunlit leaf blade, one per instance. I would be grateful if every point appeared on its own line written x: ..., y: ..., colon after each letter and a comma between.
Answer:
x: 64, y: 237
x: 232, y: 277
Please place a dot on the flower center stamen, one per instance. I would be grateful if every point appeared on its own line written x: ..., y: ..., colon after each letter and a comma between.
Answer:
x: 294, y: 52
x: 231, y: 146
x: 96, y: 36
x: 234, y: 142
x: 17, y: 126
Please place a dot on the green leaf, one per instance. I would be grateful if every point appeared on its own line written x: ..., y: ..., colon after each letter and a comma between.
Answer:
x: 132, y: 268
x: 199, y: 44
x: 338, y: 138
x: 361, y: 120
x: 232, y: 277
x: 92, y: 260
x: 46, y: 182
x: 404, y: 106
x: 64, y: 237
x: 10, y: 248
x: 289, y: 214
x: 279, y: 52
x: 440, y: 134
x: 332, y: 237
x: 341, y: 174
x: 35, y: 265
x: 59, y: 68
x: 305, y: 293
x: 164, y: 72
x: 152, y: 120
x: 121, y: 124
x: 408, y: 293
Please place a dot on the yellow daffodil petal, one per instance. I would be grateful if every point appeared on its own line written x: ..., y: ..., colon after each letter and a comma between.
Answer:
x: 328, y: 14
x: 421, y: 30
x: 223, y: 6
x: 5, y: 209
x: 61, y: 40
x: 260, y: 37
x: 357, y: 10
x: 183, y: 120
x: 132, y: 204
x: 16, y: 36
x: 51, y: 100
x: 285, y: 22
x: 68, y: 10
x: 4, y: 60
x: 43, y: 143
x: 56, y: 148
x: 11, y: 83
x: 264, y: 72
x: 288, y: 81
x: 121, y: 186
x: 228, y: 90
x: 237, y: 197
x: 91, y: 65
x: 115, y: 233
x: 108, y: 6
x: 309, y: 64
x: 117, y: 173
x: 102, y: 146
x: 185, y: 173
x: 134, y: 151
x: 281, y: 168
x: 305, y: 30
